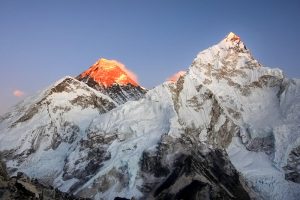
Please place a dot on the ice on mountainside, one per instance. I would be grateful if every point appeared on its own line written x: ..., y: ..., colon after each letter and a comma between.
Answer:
x: 228, y: 128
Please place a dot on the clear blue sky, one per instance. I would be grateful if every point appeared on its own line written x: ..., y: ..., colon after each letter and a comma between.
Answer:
x: 42, y: 41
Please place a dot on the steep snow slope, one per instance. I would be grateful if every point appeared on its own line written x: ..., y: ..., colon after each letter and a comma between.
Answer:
x: 228, y: 128
x: 40, y: 132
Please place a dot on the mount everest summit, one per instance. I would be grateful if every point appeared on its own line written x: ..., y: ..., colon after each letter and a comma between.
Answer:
x: 112, y: 78
x: 226, y: 129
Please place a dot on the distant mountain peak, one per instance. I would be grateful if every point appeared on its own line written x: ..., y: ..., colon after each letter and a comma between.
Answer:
x: 174, y: 78
x: 107, y: 72
x: 112, y: 78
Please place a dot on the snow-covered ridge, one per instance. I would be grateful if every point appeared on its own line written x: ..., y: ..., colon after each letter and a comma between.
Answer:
x: 175, y: 138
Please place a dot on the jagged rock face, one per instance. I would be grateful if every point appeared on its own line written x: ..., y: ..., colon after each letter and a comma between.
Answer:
x: 119, y: 93
x: 228, y: 128
x: 195, y: 173
x: 3, y: 173
x: 293, y: 165
x: 112, y: 78
x: 211, y: 125
x: 22, y: 187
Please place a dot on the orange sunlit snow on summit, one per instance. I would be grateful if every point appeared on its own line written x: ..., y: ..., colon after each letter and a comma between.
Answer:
x: 233, y: 37
x: 108, y: 72
x: 176, y: 76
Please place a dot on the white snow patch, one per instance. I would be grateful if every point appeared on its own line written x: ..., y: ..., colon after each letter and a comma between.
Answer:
x: 263, y: 177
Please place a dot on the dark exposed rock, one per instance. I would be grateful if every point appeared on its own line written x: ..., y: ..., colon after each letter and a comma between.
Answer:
x: 67, y: 133
x: 195, y: 190
x: 266, y: 81
x: 292, y: 169
x: 64, y: 86
x: 21, y: 187
x: 3, y: 172
x: 152, y: 164
x: 114, y: 178
x: 99, y: 103
x: 265, y: 144
x: 120, y: 198
x: 195, y: 172
x: 199, y: 176
x: 119, y: 93
x: 96, y: 146
x: 176, y: 91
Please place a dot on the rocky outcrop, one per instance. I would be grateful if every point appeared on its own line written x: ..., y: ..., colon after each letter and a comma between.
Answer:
x: 195, y: 172
x: 21, y: 187
x: 119, y: 93
x: 292, y: 169
x: 3, y: 172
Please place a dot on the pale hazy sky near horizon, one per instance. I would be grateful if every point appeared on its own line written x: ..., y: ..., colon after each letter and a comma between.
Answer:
x: 43, y: 41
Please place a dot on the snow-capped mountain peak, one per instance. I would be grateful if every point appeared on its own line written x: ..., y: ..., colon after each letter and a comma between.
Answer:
x: 234, y: 42
x: 112, y: 78
x: 233, y: 37
x: 108, y: 72
x: 229, y: 53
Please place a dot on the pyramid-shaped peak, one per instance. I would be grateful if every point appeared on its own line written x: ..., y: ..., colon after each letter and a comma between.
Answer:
x: 106, y: 64
x: 232, y: 40
x: 233, y: 37
x: 107, y: 72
